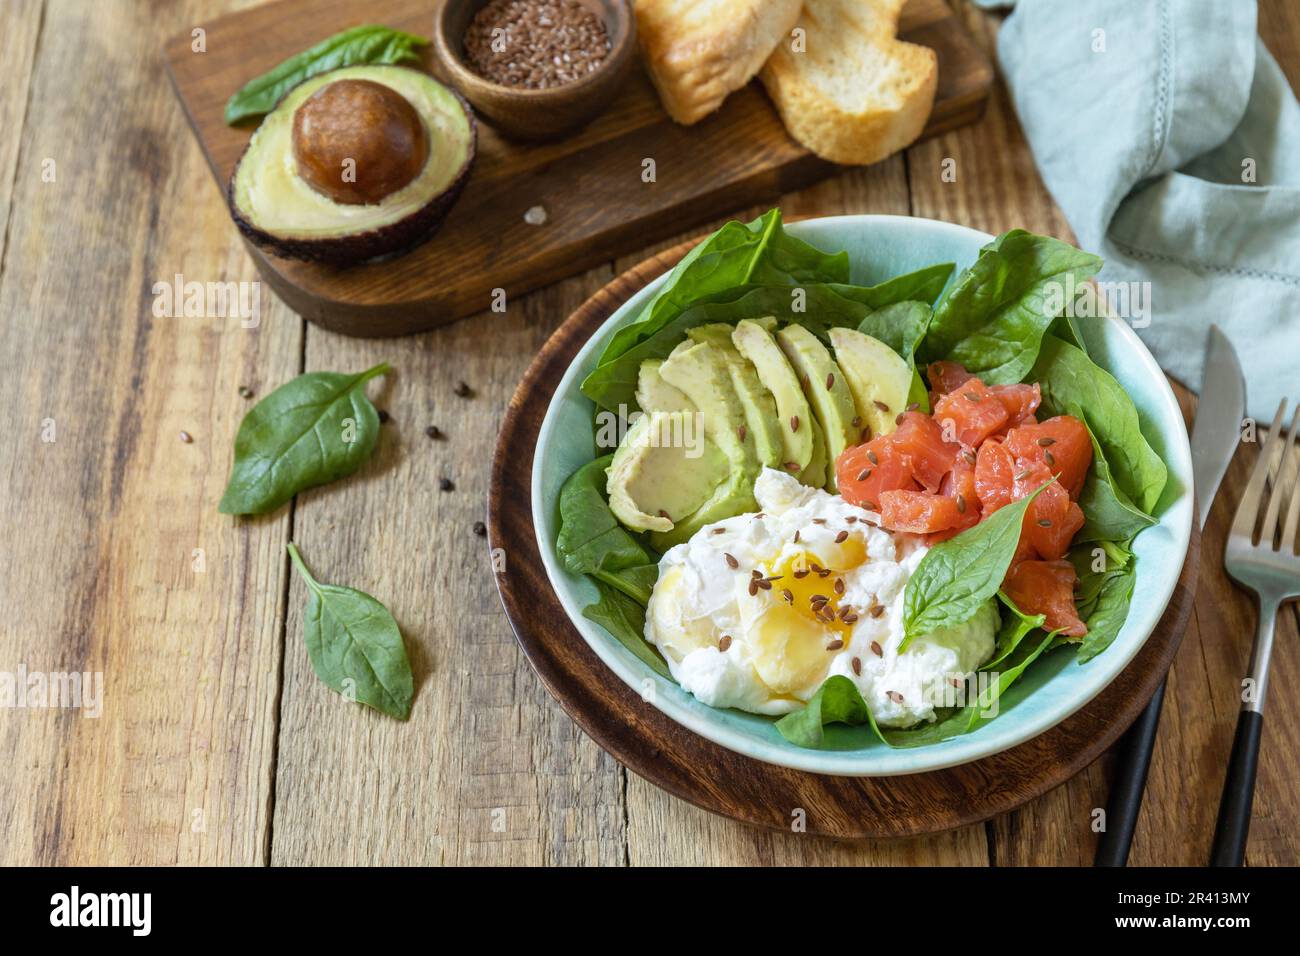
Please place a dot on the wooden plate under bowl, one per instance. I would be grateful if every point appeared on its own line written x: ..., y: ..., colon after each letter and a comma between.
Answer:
x: 709, y: 776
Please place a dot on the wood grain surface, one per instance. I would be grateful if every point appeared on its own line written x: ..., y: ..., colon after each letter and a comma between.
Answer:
x: 712, y: 777
x: 591, y: 184
x: 216, y: 744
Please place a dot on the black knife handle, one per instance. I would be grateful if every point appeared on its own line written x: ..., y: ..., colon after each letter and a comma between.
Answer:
x: 1129, y: 784
x: 1238, y: 792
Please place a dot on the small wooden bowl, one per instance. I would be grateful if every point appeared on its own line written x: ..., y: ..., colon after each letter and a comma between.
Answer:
x: 536, y: 114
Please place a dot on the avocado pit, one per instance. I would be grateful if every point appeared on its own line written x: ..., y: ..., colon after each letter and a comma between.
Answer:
x: 354, y: 164
x: 358, y: 141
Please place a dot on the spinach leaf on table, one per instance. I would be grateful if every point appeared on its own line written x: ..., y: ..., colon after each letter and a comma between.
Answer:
x: 958, y: 576
x: 355, y: 645
x: 312, y: 430
x: 737, y: 255
x: 995, y: 314
x: 1072, y: 383
x: 368, y: 44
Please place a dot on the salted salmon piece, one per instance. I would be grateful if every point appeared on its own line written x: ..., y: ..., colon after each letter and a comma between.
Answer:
x: 995, y: 472
x: 1020, y: 401
x: 945, y: 377
x: 865, y: 472
x: 919, y: 512
x: 970, y: 414
x: 1052, y: 520
x: 919, y: 440
x: 959, y: 485
x: 1061, y: 444
x: 1047, y: 588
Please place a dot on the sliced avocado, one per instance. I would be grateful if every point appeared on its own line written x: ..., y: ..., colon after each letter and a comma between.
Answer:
x: 814, y: 476
x: 653, y: 394
x: 828, y: 393
x: 877, y: 376
x: 760, y: 410
x: 753, y: 339
x: 291, y: 194
x: 700, y: 371
x: 662, y: 472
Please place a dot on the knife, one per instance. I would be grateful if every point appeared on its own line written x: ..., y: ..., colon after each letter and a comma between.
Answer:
x: 1216, y: 434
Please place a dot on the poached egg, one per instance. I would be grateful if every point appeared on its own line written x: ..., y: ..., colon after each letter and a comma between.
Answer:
x: 756, y: 611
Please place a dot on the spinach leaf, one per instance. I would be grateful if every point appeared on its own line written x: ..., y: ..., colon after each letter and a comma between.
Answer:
x: 1104, y: 595
x: 1109, y: 514
x: 363, y: 44
x: 1073, y: 383
x: 956, y: 577
x: 590, y: 538
x: 636, y: 582
x: 592, y: 542
x: 920, y: 285
x: 355, y: 646
x: 1015, y: 626
x: 738, y: 254
x: 901, y: 326
x: 995, y: 314
x: 624, y: 618
x: 837, y: 701
x: 312, y: 430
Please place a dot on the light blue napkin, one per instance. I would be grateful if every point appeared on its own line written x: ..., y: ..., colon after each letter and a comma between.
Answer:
x: 1171, y: 140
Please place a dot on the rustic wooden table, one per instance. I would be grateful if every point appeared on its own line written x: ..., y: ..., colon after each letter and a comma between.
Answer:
x: 216, y: 744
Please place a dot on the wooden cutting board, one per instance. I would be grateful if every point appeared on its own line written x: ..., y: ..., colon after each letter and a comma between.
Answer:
x: 590, y: 184
x: 668, y: 755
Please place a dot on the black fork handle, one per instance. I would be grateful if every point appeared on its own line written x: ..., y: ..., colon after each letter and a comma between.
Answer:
x: 1233, y: 826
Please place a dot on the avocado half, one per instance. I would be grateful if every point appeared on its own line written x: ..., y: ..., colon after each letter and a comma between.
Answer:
x: 277, y: 208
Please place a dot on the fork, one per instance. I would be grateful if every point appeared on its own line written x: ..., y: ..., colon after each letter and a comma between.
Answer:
x: 1264, y: 560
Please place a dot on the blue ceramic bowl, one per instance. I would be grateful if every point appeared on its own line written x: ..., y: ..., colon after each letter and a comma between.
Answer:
x: 880, y: 247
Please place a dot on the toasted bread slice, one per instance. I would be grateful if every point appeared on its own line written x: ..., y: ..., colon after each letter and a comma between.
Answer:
x: 855, y: 94
x: 699, y: 51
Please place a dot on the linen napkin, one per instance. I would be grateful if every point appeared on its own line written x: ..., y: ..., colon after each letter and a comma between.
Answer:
x: 1170, y: 138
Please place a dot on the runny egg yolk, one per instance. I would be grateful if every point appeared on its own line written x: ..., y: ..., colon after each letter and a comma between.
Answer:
x: 808, y: 583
